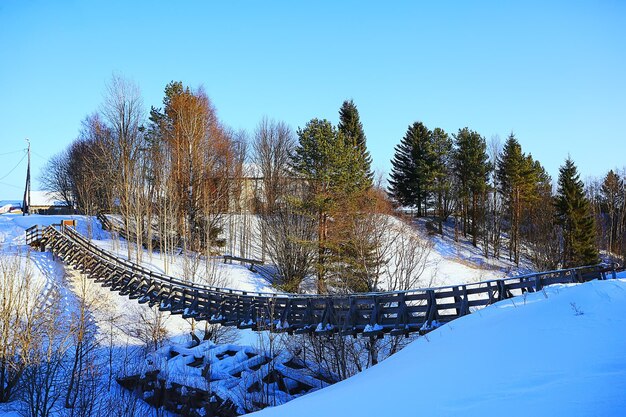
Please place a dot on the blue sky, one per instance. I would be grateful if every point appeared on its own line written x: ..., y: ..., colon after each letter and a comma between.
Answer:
x: 552, y: 72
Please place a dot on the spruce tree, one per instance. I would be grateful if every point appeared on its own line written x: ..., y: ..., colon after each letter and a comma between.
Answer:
x: 351, y: 128
x: 517, y: 180
x: 573, y: 214
x: 441, y: 174
x: 612, y: 195
x: 472, y: 167
x: 411, y: 170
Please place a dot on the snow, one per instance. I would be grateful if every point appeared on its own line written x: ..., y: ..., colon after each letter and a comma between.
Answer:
x: 450, y: 260
x: 441, y: 266
x: 234, y: 370
x: 558, y: 352
x: 445, y: 262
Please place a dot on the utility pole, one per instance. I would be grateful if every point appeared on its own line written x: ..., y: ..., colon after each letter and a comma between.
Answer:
x: 26, y: 202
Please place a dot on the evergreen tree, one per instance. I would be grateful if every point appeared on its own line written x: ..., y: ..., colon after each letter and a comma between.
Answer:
x: 573, y: 214
x: 411, y: 172
x: 334, y: 188
x: 472, y: 168
x: 441, y: 174
x: 517, y: 180
x: 351, y: 128
x: 612, y: 196
x: 540, y: 231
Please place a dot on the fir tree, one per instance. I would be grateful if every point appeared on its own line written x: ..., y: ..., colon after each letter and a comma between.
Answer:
x: 351, y: 128
x: 411, y: 171
x: 573, y: 213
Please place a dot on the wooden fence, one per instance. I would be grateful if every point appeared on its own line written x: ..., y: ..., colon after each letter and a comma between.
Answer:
x: 369, y: 314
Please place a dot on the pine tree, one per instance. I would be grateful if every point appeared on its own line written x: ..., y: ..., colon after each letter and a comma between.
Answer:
x: 411, y: 171
x: 573, y: 214
x: 472, y: 168
x: 323, y: 158
x: 351, y: 128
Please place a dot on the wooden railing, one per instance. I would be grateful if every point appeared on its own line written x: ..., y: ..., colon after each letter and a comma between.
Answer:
x: 33, y: 234
x: 369, y: 314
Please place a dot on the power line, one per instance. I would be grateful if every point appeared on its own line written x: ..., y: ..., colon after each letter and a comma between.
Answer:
x: 13, y: 169
x: 12, y: 152
x: 10, y: 185
x: 37, y: 155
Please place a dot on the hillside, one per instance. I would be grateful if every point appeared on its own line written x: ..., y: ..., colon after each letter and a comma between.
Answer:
x: 440, y: 259
x: 116, y: 318
x: 559, y: 352
x: 444, y: 261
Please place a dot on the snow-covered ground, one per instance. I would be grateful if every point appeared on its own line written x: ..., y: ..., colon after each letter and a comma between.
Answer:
x: 561, y: 352
x: 564, y: 343
x: 445, y: 262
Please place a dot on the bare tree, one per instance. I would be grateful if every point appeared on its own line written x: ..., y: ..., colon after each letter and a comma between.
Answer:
x: 123, y: 113
x: 43, y: 381
x: 288, y: 234
x: 494, y: 202
x: 409, y: 258
x: 204, y: 163
x: 18, y: 316
x: 542, y: 237
x: 272, y: 147
x: 148, y: 325
x: 55, y: 177
x: 83, y: 330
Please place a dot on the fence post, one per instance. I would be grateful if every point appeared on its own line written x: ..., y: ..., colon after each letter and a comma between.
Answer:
x: 431, y: 309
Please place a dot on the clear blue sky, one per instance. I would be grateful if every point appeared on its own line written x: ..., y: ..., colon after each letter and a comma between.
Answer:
x: 552, y: 72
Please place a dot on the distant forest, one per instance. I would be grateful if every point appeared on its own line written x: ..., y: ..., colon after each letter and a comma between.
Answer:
x: 173, y: 172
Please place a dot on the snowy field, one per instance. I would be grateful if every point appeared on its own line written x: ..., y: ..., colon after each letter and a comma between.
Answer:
x: 561, y: 352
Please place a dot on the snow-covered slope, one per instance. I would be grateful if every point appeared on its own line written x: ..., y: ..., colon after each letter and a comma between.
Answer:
x: 561, y: 352
x: 444, y: 262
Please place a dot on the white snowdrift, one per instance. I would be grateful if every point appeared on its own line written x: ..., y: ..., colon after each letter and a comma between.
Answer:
x: 558, y: 353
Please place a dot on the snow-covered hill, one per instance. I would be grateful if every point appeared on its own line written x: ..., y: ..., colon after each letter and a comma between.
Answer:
x: 445, y: 262
x: 561, y: 352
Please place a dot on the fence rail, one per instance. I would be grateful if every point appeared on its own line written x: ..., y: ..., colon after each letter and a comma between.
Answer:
x: 369, y: 314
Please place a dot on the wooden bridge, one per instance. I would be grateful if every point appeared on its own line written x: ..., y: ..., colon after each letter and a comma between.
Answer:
x: 368, y: 314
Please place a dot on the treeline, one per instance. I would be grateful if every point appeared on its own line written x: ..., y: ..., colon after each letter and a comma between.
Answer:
x: 170, y: 175
x: 175, y: 173
x: 503, y: 198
